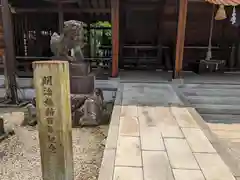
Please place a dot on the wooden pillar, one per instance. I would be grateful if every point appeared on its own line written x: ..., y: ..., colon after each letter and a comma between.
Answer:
x: 9, y: 59
x: 60, y: 17
x: 182, y: 18
x: 115, y: 36
x: 51, y: 81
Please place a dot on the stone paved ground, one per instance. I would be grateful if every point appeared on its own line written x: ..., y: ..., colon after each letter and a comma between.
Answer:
x: 152, y: 138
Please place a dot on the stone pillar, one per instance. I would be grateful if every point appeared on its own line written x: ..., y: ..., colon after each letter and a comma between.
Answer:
x: 51, y: 81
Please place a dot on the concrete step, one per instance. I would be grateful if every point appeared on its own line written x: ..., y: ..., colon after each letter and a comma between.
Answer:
x: 221, y: 118
x: 210, y: 86
x: 214, y: 100
x: 213, y: 93
x: 217, y: 109
x: 212, y: 90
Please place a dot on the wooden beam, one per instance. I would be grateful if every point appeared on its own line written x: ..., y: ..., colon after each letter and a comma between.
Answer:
x: 115, y: 36
x: 9, y: 59
x: 65, y: 10
x: 51, y: 81
x: 182, y: 18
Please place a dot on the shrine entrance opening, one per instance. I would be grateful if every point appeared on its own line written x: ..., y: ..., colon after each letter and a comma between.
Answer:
x: 141, y: 36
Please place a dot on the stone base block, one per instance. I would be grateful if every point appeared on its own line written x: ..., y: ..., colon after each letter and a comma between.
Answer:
x: 79, y: 68
x: 82, y: 84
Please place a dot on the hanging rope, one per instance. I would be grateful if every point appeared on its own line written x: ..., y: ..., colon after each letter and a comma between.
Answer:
x: 209, y: 52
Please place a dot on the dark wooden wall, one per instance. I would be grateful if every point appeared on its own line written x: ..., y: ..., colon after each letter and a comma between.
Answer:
x: 156, y: 26
x: 149, y: 24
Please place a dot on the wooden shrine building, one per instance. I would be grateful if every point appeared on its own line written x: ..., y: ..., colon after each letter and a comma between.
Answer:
x: 146, y: 34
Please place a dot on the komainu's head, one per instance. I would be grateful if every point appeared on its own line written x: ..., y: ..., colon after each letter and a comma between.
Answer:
x: 73, y: 29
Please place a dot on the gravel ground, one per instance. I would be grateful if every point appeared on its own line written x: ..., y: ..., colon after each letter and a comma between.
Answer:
x: 20, y: 155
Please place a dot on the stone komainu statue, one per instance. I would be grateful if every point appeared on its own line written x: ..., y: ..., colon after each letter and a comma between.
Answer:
x: 72, y: 38
x: 86, y: 100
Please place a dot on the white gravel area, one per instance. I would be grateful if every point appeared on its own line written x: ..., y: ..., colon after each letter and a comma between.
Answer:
x: 20, y: 154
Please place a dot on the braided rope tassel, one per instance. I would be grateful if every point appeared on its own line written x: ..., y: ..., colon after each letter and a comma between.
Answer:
x: 234, y: 16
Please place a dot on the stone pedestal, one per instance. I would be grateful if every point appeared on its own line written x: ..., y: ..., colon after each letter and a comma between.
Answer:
x: 82, y: 84
x: 87, y: 99
x: 81, y: 81
x: 79, y: 68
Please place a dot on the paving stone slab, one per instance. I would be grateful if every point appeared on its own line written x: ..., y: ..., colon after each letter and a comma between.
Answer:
x: 128, y: 152
x: 129, y: 111
x: 151, y: 138
x: 183, y: 174
x: 197, y: 140
x: 112, y: 137
x: 129, y: 126
x: 146, y: 112
x: 168, y: 125
x: 156, y: 166
x: 128, y: 173
x: 183, y: 117
x: 180, y: 154
x: 116, y: 113
x: 107, y: 166
x: 213, y: 167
